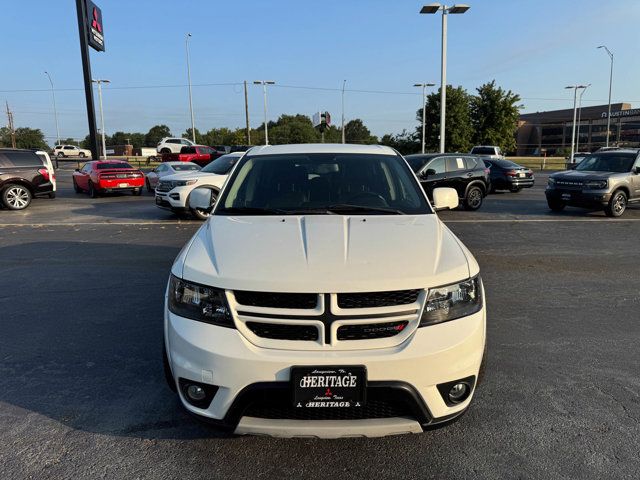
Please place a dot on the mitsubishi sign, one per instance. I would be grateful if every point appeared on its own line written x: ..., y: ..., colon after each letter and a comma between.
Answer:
x: 95, y: 29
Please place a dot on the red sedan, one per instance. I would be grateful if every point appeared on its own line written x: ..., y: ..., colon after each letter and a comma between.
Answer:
x: 102, y: 176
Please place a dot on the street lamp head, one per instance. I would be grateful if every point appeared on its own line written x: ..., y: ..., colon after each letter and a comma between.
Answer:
x: 270, y: 82
x: 458, y: 8
x: 188, y: 34
x: 431, y: 8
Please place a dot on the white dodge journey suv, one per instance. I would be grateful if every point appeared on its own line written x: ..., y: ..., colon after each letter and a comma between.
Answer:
x: 324, y: 297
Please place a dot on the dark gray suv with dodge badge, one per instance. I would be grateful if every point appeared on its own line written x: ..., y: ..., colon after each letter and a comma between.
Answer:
x: 609, y: 180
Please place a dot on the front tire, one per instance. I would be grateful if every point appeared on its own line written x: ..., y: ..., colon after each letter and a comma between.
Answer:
x: 137, y: 191
x: 617, y: 204
x: 60, y: 155
x: 16, y: 197
x: 165, y: 150
x: 473, y: 200
x: 148, y: 183
x: 82, y: 155
x: 556, y: 205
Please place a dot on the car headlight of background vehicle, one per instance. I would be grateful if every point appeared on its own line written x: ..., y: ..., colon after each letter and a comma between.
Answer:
x: 596, y: 184
x: 551, y: 182
x: 199, y: 302
x: 452, y: 301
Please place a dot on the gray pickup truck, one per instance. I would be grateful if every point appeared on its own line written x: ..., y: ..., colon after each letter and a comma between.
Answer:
x: 609, y: 180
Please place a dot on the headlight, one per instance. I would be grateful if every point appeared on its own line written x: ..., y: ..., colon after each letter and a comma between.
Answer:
x: 452, y: 301
x: 551, y: 182
x: 183, y: 183
x: 199, y: 302
x: 596, y: 184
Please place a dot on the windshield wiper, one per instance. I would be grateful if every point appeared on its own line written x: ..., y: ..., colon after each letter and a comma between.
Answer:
x: 347, y: 207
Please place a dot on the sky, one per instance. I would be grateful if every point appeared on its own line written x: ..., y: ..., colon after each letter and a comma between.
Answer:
x: 380, y: 47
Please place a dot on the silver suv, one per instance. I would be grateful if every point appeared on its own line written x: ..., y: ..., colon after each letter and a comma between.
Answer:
x: 609, y: 180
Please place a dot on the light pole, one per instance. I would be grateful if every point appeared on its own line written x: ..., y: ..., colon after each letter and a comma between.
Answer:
x: 264, y: 84
x: 104, y: 145
x: 455, y: 9
x: 573, y: 130
x: 193, y: 125
x: 580, y: 115
x: 610, y: 81
x: 424, y: 105
x: 55, y: 112
x: 344, y: 82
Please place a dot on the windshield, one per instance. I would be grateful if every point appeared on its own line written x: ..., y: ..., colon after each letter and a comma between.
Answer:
x: 322, y: 183
x: 108, y: 166
x: 483, y: 150
x: 185, y: 167
x: 618, y: 162
x: 222, y: 165
x: 416, y: 162
x: 505, y: 164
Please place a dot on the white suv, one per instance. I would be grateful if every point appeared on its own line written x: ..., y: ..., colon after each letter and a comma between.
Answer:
x: 172, y: 191
x: 324, y: 297
x: 173, y: 145
x: 71, y: 151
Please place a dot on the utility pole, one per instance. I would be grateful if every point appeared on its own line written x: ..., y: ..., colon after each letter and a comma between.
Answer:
x: 264, y: 84
x: 344, y: 82
x: 424, y: 107
x: 193, y: 125
x: 12, y: 131
x: 104, y: 145
x: 579, y: 116
x: 246, y: 113
x: 573, y: 130
x: 55, y: 112
x: 610, y: 82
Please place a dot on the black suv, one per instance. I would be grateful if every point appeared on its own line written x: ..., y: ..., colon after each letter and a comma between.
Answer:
x: 23, y: 175
x: 466, y: 173
x: 605, y: 179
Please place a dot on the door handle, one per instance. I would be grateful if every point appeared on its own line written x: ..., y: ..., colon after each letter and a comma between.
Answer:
x: 469, y: 174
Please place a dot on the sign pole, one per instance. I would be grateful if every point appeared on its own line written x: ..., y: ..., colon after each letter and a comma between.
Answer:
x: 86, y: 70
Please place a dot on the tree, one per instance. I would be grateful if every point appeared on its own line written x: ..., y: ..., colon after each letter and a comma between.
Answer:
x: 25, y: 138
x: 355, y: 131
x: 494, y: 114
x: 155, y: 134
x: 292, y: 129
x: 458, y: 128
x: 405, y: 142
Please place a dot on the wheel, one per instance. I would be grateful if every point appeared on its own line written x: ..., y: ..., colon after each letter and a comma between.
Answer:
x: 168, y: 376
x: 556, y: 205
x: 201, y: 214
x: 93, y: 192
x: 137, y: 191
x: 165, y: 150
x: 52, y: 195
x: 82, y: 155
x: 60, y: 155
x: 617, y: 205
x: 473, y: 200
x: 149, y: 189
x: 16, y: 197
x: 515, y: 189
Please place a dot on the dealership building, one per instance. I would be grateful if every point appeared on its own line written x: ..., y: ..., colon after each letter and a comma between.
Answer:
x: 547, y: 132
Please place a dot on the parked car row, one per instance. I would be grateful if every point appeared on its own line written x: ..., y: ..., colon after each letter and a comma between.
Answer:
x: 25, y: 174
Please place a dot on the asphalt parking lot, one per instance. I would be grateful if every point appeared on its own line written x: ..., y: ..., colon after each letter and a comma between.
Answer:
x: 82, y: 393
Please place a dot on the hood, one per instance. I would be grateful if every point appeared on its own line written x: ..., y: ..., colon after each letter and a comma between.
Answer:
x: 581, y: 175
x: 325, y: 253
x: 209, y: 177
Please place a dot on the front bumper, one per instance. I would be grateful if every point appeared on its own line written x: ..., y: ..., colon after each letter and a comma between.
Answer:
x: 225, y: 358
x: 175, y: 199
x: 579, y: 198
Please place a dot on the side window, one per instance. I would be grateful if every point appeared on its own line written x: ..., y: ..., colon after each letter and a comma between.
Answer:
x: 68, y: 147
x: 437, y: 164
x: 21, y: 159
x: 86, y: 168
x: 185, y: 142
x: 471, y: 163
x: 173, y: 140
x: 455, y: 163
x: 161, y: 168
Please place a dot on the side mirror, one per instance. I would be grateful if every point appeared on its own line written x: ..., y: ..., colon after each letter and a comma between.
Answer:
x: 636, y: 170
x: 202, y: 198
x: 77, y: 169
x: 445, y: 198
x: 428, y: 172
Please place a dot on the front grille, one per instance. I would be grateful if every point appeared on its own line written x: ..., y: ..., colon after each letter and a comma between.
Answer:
x: 277, y: 300
x: 373, y: 408
x: 279, y: 331
x: 164, y: 186
x: 569, y: 184
x: 377, y: 299
x: 371, y: 330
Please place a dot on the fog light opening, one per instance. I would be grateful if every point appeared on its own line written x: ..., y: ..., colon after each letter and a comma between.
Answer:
x: 196, y: 393
x: 459, y: 392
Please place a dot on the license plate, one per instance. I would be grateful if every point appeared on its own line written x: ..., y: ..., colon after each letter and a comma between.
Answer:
x: 522, y: 175
x: 329, y: 387
x: 123, y: 185
x: 566, y: 196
